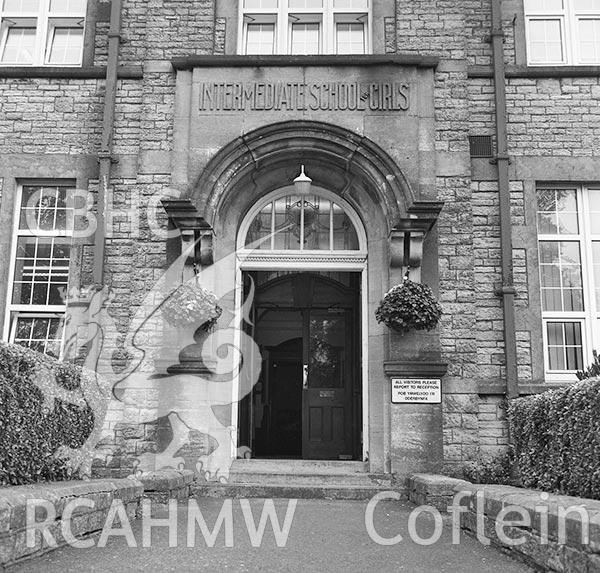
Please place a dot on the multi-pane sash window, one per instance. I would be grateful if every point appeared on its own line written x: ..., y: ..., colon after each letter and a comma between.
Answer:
x: 40, y: 267
x: 304, y: 26
x: 569, y: 258
x: 563, y: 32
x: 41, y: 32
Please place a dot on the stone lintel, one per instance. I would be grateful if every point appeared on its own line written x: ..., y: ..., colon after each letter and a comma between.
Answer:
x: 209, y: 61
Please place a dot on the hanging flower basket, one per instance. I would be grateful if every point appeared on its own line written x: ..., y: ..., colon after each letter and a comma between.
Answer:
x: 409, y: 306
x: 189, y: 305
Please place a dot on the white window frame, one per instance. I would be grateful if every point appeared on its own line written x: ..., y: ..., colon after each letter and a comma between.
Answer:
x: 44, y: 22
x: 590, y: 316
x: 15, y: 311
x: 283, y: 16
x: 569, y: 19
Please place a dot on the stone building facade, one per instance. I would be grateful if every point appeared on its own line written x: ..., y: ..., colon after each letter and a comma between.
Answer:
x: 163, y: 115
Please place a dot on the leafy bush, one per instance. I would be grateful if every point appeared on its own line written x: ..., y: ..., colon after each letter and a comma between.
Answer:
x: 492, y: 470
x: 556, y: 437
x: 409, y: 306
x: 30, y: 436
x: 592, y: 371
x: 497, y: 470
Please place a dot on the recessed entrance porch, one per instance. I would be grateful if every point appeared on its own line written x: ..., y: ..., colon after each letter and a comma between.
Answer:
x: 307, y: 402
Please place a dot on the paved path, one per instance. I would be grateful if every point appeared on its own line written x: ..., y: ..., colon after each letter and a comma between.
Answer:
x: 324, y: 536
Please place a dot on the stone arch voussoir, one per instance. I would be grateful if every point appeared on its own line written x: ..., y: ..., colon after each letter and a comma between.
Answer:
x: 338, y: 159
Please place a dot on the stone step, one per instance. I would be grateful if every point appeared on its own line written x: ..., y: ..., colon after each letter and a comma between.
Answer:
x: 249, y: 490
x: 322, y: 478
x: 299, y: 466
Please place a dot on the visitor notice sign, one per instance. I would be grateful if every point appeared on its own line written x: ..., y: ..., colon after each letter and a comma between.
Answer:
x: 416, y: 391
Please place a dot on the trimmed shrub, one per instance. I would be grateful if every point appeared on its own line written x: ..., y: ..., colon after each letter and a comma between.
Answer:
x: 556, y: 437
x: 31, y: 435
x: 485, y: 469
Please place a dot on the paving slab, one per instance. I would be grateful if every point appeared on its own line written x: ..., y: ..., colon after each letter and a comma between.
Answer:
x: 324, y: 536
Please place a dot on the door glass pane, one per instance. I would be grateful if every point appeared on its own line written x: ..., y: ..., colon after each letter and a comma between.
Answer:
x: 350, y: 38
x: 589, y: 40
x: 19, y: 46
x: 306, y: 38
x: 326, y: 350
x: 545, y: 41
x: 260, y: 39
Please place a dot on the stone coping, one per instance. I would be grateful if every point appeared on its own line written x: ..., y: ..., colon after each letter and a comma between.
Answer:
x: 13, y: 499
x: 555, y: 532
x: 165, y: 480
x: 159, y: 486
x: 86, y: 519
x: 208, y: 61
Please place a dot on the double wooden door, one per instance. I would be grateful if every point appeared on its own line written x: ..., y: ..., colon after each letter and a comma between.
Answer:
x: 308, y: 402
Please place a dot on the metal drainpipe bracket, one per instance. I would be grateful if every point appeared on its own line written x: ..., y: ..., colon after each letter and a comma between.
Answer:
x: 503, y: 290
x: 500, y: 157
x: 104, y: 154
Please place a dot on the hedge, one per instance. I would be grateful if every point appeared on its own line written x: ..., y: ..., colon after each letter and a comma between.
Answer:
x: 556, y: 438
x: 30, y: 435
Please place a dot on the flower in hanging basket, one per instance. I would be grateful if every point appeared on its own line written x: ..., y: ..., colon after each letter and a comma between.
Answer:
x: 409, y: 306
x: 189, y: 305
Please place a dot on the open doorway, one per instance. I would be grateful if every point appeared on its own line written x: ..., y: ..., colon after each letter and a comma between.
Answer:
x: 307, y: 403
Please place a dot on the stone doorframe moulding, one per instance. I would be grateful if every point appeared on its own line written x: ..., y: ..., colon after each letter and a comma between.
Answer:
x: 340, y: 160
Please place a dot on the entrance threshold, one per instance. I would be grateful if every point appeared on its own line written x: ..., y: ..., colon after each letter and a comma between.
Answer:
x: 297, y: 466
x: 295, y: 479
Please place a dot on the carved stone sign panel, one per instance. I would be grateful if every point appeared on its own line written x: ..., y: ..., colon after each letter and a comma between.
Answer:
x: 301, y: 96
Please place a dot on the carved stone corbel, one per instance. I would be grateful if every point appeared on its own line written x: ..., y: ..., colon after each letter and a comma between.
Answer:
x: 194, y: 230
x: 407, y: 236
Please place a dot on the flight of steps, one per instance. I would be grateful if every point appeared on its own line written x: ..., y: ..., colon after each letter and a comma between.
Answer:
x: 300, y: 479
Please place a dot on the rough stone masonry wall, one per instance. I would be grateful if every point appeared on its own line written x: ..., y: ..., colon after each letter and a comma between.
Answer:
x: 454, y: 32
x: 156, y: 31
x: 50, y: 115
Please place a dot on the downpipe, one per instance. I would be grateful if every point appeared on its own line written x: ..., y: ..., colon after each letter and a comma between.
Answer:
x: 105, y: 155
x: 502, y: 160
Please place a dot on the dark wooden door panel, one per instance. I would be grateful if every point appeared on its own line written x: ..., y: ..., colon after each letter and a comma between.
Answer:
x: 327, y: 394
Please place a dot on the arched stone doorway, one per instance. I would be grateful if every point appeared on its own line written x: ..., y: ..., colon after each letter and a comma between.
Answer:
x: 303, y: 259
x: 353, y: 170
